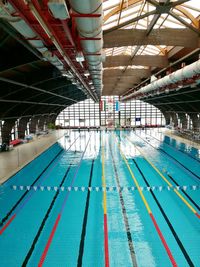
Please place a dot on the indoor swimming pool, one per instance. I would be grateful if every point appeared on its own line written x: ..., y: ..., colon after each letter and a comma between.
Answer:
x: 104, y: 198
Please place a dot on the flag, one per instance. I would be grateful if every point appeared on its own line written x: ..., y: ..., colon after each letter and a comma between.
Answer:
x: 102, y: 105
x: 117, y: 106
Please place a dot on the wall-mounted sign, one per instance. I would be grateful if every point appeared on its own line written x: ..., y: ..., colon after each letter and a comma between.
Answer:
x: 137, y: 119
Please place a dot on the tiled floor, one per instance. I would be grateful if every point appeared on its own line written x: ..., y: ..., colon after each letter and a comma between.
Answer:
x: 12, y: 161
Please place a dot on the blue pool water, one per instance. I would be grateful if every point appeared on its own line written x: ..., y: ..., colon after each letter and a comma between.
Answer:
x: 52, y: 212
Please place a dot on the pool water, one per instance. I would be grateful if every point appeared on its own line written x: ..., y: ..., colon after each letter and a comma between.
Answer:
x: 104, y: 198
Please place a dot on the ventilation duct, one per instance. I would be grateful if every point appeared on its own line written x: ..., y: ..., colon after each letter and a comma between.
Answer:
x: 25, y: 30
x: 175, y: 80
x: 58, y: 9
x: 90, y: 27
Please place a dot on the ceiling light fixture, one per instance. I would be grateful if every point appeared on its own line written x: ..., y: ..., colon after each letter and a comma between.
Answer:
x: 80, y: 57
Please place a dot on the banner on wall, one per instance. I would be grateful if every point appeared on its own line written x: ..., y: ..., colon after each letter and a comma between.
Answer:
x: 137, y: 119
x: 117, y: 106
x: 102, y: 105
x: 110, y: 107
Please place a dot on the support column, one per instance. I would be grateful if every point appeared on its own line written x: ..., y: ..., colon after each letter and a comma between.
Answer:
x: 174, y: 119
x: 22, y: 127
x: 33, y: 124
x: 41, y: 123
x: 195, y: 121
x: 167, y: 116
x: 52, y: 118
x: 183, y: 120
x: 6, y: 131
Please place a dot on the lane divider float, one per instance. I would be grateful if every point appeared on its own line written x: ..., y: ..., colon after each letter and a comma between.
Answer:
x: 167, y: 249
x: 85, y: 220
x: 173, y: 231
x: 159, y: 188
x: 20, y: 204
x: 175, y: 148
x: 52, y: 233
x: 166, y: 180
x: 45, y: 218
x: 106, y: 247
x: 177, y: 162
x: 124, y: 213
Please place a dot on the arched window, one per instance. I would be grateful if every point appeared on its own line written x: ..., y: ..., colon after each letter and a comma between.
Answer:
x: 110, y: 112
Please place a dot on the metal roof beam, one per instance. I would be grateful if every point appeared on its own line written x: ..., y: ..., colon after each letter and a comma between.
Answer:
x: 7, y: 28
x: 184, y: 22
x: 34, y: 88
x: 30, y: 102
x: 179, y: 2
x: 177, y: 102
x: 129, y: 22
x: 27, y: 116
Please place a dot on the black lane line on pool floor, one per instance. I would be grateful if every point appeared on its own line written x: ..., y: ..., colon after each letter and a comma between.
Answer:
x: 28, y: 255
x: 170, y: 156
x: 193, y: 202
x: 84, y: 226
x: 175, y: 148
x: 187, y: 257
x: 123, y: 208
x: 21, y: 198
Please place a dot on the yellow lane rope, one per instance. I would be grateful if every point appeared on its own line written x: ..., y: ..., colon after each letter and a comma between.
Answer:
x: 174, y: 264
x: 165, y: 179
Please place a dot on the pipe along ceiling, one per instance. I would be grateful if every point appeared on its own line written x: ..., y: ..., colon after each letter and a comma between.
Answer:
x: 52, y: 56
x: 174, y: 81
x: 69, y: 36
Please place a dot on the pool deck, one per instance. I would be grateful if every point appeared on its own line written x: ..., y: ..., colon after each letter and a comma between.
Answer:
x: 15, y: 159
x: 171, y: 134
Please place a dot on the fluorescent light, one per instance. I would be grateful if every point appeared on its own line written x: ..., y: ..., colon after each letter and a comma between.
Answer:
x: 86, y: 73
x: 74, y: 82
x: 67, y: 74
x: 80, y: 57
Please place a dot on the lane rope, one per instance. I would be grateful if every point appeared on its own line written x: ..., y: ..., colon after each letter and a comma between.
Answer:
x: 175, y: 147
x: 177, y: 162
x: 167, y: 249
x: 20, y: 204
x: 180, y: 244
x: 29, y: 254
x: 106, y: 247
x: 52, y: 233
x: 159, y: 188
x: 85, y: 219
x: 124, y: 213
x: 166, y: 180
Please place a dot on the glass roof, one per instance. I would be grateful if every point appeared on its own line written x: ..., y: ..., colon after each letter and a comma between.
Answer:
x: 117, y: 12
